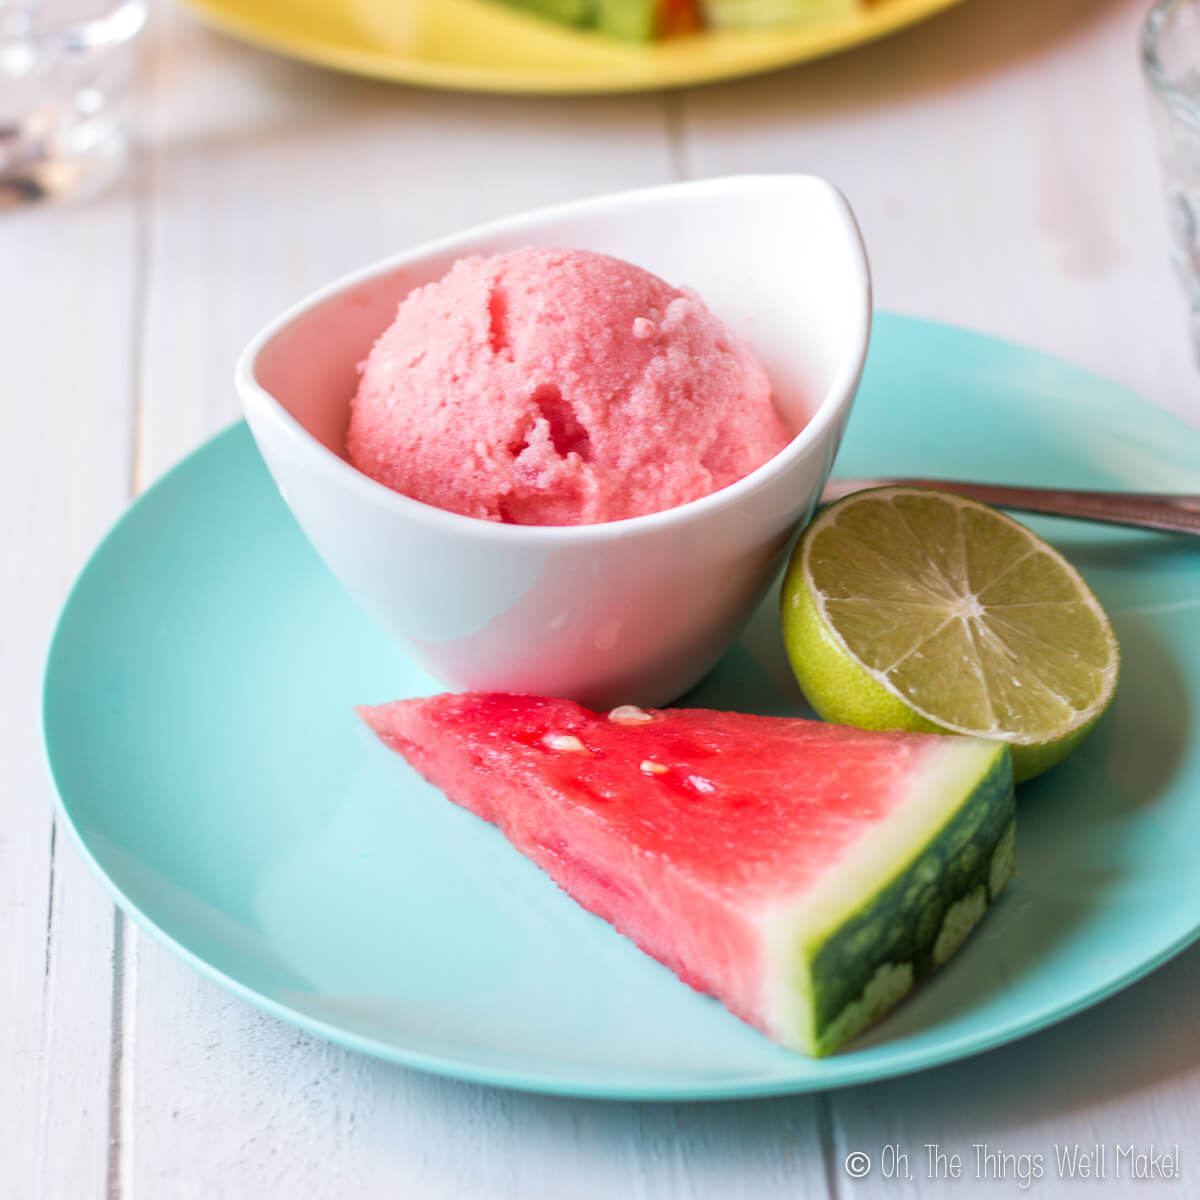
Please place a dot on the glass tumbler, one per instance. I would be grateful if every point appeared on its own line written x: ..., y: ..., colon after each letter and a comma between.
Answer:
x: 1171, y: 65
x: 65, y: 74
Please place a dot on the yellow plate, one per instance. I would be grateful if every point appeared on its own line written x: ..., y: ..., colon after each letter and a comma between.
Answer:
x: 482, y: 46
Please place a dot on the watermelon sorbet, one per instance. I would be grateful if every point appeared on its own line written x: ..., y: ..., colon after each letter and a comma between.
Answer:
x: 559, y: 387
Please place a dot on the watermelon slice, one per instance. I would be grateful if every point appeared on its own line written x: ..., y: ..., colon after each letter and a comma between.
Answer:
x: 803, y: 873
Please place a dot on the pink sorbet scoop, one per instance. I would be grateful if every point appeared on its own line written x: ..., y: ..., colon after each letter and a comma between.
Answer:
x: 559, y: 387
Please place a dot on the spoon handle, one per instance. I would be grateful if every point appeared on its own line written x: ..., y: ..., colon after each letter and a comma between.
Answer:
x: 1165, y: 511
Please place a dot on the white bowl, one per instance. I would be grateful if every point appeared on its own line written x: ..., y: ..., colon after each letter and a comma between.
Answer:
x: 631, y: 611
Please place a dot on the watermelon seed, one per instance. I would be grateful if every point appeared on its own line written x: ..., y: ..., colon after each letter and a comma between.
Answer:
x: 652, y: 768
x: 629, y: 714
x: 564, y: 741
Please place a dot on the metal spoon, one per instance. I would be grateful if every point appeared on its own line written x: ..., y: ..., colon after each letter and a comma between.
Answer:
x: 1166, y: 511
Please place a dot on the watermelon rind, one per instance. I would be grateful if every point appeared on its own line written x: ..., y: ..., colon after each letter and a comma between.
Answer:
x: 629, y: 20
x: 839, y: 961
x: 632, y: 20
x: 761, y: 14
x: 563, y: 12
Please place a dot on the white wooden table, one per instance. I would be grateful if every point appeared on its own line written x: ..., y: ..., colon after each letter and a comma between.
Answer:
x: 999, y: 159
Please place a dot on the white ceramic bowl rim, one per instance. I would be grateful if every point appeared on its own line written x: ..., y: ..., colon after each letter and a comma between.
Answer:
x: 836, y: 398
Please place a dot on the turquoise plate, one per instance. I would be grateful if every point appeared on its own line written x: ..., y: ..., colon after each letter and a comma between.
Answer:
x: 199, y: 728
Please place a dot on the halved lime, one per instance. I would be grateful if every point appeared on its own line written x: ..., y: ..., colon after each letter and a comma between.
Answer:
x: 905, y: 608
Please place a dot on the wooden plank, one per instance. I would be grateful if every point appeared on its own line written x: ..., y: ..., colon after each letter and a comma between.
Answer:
x: 65, y: 342
x: 997, y: 184
x: 269, y: 178
x: 1125, y: 1074
x: 1000, y: 187
x: 231, y: 1104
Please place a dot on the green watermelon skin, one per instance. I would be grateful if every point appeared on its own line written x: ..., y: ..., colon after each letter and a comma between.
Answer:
x: 630, y: 20
x: 805, y: 874
x: 768, y: 14
x: 562, y: 12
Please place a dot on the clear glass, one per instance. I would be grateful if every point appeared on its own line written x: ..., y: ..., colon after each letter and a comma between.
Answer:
x: 1171, y: 64
x: 65, y: 75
